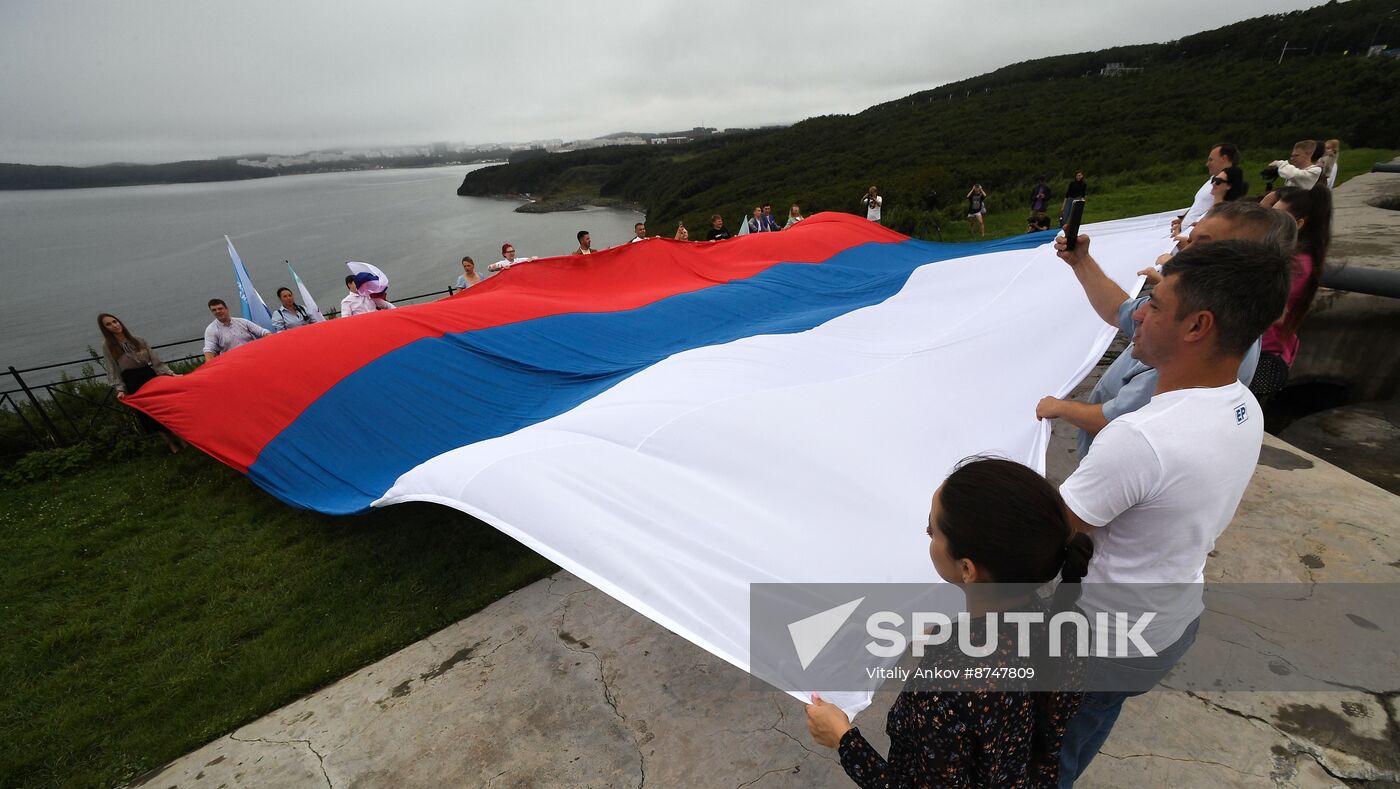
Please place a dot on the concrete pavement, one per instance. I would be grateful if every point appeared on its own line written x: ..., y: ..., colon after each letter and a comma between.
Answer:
x: 559, y: 685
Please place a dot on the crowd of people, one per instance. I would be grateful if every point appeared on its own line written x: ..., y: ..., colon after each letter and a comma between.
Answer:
x: 1168, y: 441
x: 761, y: 221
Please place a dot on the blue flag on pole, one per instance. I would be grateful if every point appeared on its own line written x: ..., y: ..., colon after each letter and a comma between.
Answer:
x: 254, y: 308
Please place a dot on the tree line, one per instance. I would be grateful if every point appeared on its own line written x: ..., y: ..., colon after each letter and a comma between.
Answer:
x: 1045, y: 117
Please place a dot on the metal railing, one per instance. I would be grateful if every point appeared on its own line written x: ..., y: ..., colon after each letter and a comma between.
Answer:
x: 69, y: 409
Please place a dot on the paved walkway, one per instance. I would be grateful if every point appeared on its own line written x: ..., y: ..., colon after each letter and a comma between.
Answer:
x: 558, y: 685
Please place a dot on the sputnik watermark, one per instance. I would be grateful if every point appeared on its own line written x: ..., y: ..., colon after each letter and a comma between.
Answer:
x: 1242, y: 637
x: 811, y: 634
x: 932, y: 628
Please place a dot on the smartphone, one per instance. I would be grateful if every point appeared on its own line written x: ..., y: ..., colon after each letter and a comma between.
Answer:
x: 1076, y: 215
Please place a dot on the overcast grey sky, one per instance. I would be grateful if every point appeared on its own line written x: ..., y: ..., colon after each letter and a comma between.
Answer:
x: 162, y: 80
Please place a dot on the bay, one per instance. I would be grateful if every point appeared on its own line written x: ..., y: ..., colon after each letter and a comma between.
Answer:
x: 155, y: 255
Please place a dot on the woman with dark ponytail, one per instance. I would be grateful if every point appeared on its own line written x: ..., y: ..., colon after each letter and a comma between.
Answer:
x: 1311, y: 209
x: 997, y: 530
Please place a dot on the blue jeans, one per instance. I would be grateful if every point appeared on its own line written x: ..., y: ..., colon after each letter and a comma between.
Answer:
x: 1098, y: 712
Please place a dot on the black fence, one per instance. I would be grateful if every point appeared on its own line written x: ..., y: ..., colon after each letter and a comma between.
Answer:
x: 70, y: 402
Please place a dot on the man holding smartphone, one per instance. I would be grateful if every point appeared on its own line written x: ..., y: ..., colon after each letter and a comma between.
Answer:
x: 1128, y: 383
x: 1163, y: 483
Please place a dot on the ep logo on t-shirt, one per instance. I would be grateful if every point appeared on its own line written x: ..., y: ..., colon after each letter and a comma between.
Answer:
x: 1241, y: 414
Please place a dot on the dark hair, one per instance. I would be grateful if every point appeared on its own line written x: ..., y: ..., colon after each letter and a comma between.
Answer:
x: 1229, y: 151
x: 1006, y: 518
x: 1243, y: 284
x: 1319, y: 150
x: 212, y: 302
x: 279, y: 291
x: 714, y: 217
x: 767, y: 205
x: 1009, y: 519
x: 583, y: 233
x: 349, y: 278
x: 111, y: 341
x: 468, y: 259
x: 1314, y: 207
x: 639, y: 224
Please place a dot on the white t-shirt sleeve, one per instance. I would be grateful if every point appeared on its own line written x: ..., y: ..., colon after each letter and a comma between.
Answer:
x: 1122, y: 471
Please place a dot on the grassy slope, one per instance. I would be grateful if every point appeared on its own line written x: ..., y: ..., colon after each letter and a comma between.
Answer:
x: 152, y: 606
x: 1116, y: 197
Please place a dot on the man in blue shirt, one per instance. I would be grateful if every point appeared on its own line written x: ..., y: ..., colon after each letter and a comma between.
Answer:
x: 1127, y: 384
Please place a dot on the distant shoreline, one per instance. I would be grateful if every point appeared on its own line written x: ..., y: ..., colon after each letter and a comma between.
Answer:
x: 559, y: 205
x: 30, y: 177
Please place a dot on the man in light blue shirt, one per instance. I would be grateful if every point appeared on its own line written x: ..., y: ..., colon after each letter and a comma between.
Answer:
x: 1128, y: 384
x: 290, y: 315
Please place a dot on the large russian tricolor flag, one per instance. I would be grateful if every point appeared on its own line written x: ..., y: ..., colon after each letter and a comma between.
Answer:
x: 674, y: 421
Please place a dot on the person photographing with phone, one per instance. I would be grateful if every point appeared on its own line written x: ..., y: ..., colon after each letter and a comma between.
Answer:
x: 977, y: 208
x: 873, y: 203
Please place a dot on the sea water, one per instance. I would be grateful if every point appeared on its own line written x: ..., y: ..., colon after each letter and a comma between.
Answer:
x: 155, y: 255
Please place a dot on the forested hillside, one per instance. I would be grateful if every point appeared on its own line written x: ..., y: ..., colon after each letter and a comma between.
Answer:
x: 1048, y: 116
x: 36, y: 176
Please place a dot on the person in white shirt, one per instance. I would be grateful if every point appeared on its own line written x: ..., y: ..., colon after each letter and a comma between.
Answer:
x: 1301, y: 170
x: 1163, y: 482
x: 290, y: 315
x: 228, y: 332
x: 1221, y: 165
x: 794, y: 216
x: 1332, y: 154
x: 508, y: 259
x: 873, y: 203
x: 639, y: 232
x: 357, y: 303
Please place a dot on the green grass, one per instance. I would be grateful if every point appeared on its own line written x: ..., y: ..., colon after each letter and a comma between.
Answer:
x: 1134, y: 194
x: 154, y: 605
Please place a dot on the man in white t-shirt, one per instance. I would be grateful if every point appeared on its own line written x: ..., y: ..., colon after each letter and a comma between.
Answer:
x: 873, y: 203
x: 1163, y: 482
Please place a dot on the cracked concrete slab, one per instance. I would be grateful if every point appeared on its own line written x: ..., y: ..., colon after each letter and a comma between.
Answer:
x: 555, y: 685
